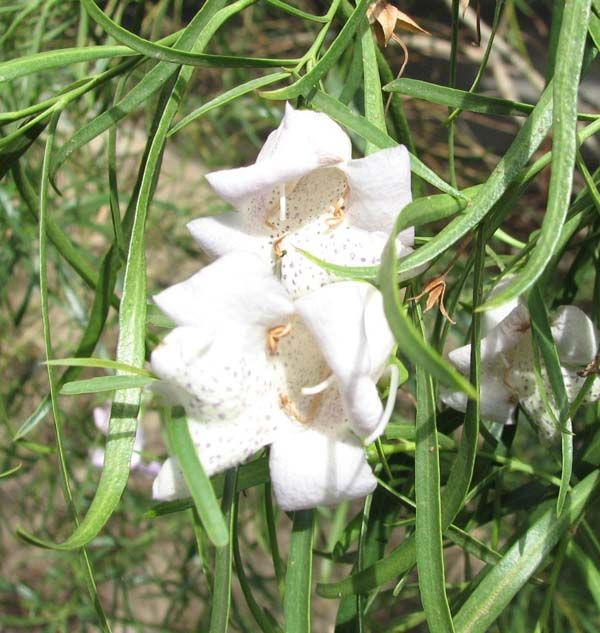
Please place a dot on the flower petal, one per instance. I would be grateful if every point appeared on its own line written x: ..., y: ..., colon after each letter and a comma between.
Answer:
x: 231, y: 232
x: 343, y: 246
x: 320, y: 464
x: 379, y: 189
x: 253, y: 298
x: 575, y: 336
x: 350, y: 327
x: 221, y: 445
x: 491, y: 318
x: 169, y: 483
x: 303, y: 142
x: 214, y: 379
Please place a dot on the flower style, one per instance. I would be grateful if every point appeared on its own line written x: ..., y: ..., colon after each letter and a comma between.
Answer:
x: 252, y: 367
x: 101, y: 416
x: 507, y: 367
x: 305, y: 192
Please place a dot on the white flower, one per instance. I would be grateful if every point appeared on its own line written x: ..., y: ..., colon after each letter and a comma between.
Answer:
x: 101, y: 416
x: 507, y: 367
x: 252, y: 368
x: 305, y: 192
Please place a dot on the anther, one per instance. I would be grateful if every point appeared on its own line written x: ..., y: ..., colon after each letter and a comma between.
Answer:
x: 275, y: 334
x: 290, y: 408
x: 337, y: 213
x: 277, y: 246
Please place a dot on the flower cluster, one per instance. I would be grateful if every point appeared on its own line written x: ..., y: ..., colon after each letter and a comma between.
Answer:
x: 508, y: 376
x: 270, y: 348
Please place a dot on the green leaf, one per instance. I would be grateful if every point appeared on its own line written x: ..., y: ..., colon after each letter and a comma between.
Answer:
x: 196, y: 35
x: 166, y: 54
x: 565, y: 88
x: 542, y: 336
x: 255, y: 473
x: 100, y: 362
x: 408, y: 338
x: 454, y: 98
x: 58, y: 426
x: 501, y: 583
x: 105, y: 383
x: 205, y: 502
x: 288, y: 8
x: 308, y: 81
x: 11, y: 471
x: 263, y: 618
x: 48, y: 60
x: 374, y: 109
x: 221, y: 595
x: 428, y: 533
x: 506, y: 172
x: 371, y: 133
x: 296, y: 606
x: 227, y: 97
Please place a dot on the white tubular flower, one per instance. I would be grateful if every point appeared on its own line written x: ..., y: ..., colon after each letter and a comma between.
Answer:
x: 253, y: 368
x: 507, y: 368
x: 305, y: 192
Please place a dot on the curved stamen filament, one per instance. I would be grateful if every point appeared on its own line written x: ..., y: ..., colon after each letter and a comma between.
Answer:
x: 316, y: 389
x: 337, y: 213
x: 275, y: 334
x: 277, y: 246
x: 282, y: 203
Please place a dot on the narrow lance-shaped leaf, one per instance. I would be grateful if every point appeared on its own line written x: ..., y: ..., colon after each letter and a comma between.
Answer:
x: 500, y: 583
x: 428, y: 533
x: 198, y: 483
x: 565, y: 88
x: 298, y: 579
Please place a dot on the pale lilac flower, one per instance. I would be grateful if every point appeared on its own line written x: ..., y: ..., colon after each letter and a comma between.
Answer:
x: 305, y: 192
x: 101, y: 420
x: 253, y: 367
x: 507, y: 368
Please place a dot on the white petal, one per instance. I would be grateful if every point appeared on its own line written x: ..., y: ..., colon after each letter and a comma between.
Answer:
x: 304, y: 141
x: 507, y: 334
x: 214, y: 380
x: 169, y: 483
x: 379, y: 188
x: 496, y: 401
x: 221, y: 445
x: 349, y: 324
x: 575, y: 335
x: 238, y: 290
x: 231, y: 232
x: 320, y: 464
x: 491, y: 318
x: 343, y: 246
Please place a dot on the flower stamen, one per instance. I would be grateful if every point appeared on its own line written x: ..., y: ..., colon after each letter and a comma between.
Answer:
x: 279, y: 253
x: 338, y: 213
x: 320, y: 388
x: 275, y: 334
x: 290, y: 408
x: 282, y: 203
